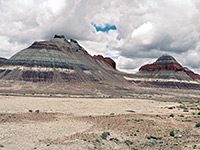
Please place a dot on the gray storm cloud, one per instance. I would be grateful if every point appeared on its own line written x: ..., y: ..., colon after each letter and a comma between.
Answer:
x: 146, y: 29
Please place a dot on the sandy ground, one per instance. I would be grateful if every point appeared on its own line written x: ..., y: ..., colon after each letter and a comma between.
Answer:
x: 18, y: 136
x: 73, y: 119
x: 81, y: 106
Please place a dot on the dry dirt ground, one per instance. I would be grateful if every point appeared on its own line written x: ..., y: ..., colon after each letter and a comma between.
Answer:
x: 90, y: 123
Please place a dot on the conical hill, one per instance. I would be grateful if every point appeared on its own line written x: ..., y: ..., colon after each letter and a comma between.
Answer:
x: 58, y: 60
x: 165, y: 72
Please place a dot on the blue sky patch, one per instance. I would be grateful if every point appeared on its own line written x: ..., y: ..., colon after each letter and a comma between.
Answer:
x: 106, y: 28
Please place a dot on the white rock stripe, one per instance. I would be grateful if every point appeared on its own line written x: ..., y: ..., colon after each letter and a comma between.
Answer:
x: 160, y: 80
x: 41, y: 69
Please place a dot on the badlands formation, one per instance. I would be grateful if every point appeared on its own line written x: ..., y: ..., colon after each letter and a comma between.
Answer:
x: 56, y: 96
x: 59, y: 61
x: 166, y: 72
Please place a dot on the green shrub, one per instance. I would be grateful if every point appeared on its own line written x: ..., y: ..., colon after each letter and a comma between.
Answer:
x: 172, y: 115
x: 198, y: 113
x: 97, y: 140
x: 128, y: 142
x: 154, y: 142
x: 188, y: 120
x: 194, y: 146
x: 154, y: 137
x: 197, y: 125
x: 37, y: 111
x: 137, y: 130
x: 138, y: 120
x: 30, y: 110
x: 134, y: 148
x: 104, y: 135
x: 116, y: 140
x: 171, y: 133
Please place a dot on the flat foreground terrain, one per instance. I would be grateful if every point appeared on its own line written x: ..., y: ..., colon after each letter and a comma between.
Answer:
x: 92, y: 123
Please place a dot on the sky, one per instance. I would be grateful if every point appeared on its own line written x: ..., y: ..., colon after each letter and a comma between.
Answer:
x: 132, y: 32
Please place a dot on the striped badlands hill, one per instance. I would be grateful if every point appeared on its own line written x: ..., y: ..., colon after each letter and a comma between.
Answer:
x: 165, y: 72
x: 59, y: 60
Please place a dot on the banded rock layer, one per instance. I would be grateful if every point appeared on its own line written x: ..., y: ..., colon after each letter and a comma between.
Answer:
x: 58, y: 60
x: 165, y: 72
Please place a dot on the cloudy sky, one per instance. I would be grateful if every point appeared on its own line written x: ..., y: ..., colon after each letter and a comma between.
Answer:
x: 132, y: 32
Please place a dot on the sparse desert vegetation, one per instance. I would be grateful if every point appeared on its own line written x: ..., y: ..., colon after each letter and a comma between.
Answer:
x: 129, y: 126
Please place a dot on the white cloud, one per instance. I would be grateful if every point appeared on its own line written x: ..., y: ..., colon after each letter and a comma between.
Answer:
x: 8, y: 48
x: 146, y: 29
x: 55, y: 6
x: 131, y: 65
x: 142, y: 30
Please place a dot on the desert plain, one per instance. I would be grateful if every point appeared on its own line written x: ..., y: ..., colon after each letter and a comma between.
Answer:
x: 75, y: 123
